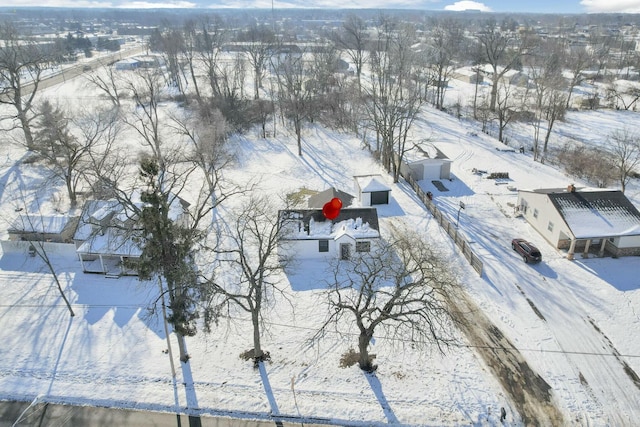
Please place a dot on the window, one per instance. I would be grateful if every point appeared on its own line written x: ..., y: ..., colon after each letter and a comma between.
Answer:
x: 363, y: 246
x: 550, y: 226
x: 323, y: 246
x: 535, y: 213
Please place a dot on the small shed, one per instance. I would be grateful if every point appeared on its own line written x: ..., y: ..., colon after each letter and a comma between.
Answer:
x: 372, y: 190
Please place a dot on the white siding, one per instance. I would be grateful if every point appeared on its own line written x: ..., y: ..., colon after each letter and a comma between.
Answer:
x: 309, y: 248
x: 628, y: 242
x: 546, y: 212
x: 365, y: 199
x: 432, y: 170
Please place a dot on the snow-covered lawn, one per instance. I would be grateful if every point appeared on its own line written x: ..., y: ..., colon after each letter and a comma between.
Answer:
x: 575, y: 322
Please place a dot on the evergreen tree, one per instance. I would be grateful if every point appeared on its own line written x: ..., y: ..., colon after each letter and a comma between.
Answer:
x: 166, y: 253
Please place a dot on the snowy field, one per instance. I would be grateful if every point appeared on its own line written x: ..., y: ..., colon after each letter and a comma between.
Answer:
x: 583, y: 338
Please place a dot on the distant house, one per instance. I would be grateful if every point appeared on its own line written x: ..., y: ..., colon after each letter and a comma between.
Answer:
x: 583, y: 219
x: 127, y: 64
x: 467, y: 75
x: 108, y: 238
x: 307, y: 234
x: 510, y: 77
x: 318, y: 200
x: 43, y: 228
x: 372, y: 190
x: 143, y: 61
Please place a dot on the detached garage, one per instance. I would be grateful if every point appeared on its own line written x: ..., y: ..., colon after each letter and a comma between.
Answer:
x: 429, y: 169
x: 426, y: 162
x: 372, y: 190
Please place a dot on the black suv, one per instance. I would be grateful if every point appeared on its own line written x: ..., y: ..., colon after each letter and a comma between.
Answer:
x: 528, y: 251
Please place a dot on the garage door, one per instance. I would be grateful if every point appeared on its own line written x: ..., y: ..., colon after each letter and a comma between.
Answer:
x: 380, y: 198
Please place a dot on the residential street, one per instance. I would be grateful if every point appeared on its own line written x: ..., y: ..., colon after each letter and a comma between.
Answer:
x: 42, y: 414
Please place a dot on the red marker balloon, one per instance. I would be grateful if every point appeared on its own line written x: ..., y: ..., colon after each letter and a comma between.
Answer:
x: 336, y: 203
x: 330, y: 209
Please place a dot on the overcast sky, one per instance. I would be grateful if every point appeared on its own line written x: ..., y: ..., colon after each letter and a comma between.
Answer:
x: 543, y: 6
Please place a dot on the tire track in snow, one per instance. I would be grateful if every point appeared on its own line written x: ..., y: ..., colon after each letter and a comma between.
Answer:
x: 586, y: 356
x: 528, y: 391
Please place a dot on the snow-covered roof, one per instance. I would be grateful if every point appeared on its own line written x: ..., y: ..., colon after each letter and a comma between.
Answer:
x: 112, y: 242
x: 371, y: 183
x: 303, y: 224
x: 425, y: 152
x: 596, y: 213
x: 318, y: 200
x: 35, y: 223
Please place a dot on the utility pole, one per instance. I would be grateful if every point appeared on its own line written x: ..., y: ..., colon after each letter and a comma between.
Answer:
x: 459, y: 209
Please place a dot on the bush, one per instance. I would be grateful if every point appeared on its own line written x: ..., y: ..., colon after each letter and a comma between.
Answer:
x: 592, y: 164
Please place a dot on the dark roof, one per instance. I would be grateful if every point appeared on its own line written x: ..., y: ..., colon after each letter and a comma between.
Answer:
x: 318, y: 200
x: 596, y: 212
x: 368, y: 215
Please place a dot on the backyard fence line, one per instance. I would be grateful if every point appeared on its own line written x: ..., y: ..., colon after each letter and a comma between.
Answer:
x: 448, y: 227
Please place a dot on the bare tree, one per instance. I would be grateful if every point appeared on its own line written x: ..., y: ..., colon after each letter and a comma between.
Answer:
x: 623, y: 94
x: 108, y: 81
x: 600, y: 47
x: 190, y: 45
x: 591, y: 163
x: 503, y: 51
x: 64, y: 152
x: 625, y: 147
x: 392, y: 101
x: 353, y: 39
x: 397, y: 290
x: 508, y: 107
x: 577, y: 61
x: 210, y: 40
x: 546, y: 74
x: 207, y: 136
x: 446, y: 40
x: 294, y: 92
x: 251, y: 268
x: 22, y: 62
x: 172, y: 44
x: 146, y: 90
x: 258, y: 43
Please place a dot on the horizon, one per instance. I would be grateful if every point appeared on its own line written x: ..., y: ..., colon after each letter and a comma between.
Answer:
x: 486, y: 6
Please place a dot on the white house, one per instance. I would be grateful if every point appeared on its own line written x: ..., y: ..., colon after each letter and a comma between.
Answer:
x: 372, y: 190
x: 127, y: 64
x: 307, y: 234
x: 107, y: 237
x: 583, y: 219
x: 468, y: 75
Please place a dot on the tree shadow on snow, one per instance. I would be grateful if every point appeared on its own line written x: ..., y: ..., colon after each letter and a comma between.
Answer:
x: 374, y: 382
x: 123, y: 299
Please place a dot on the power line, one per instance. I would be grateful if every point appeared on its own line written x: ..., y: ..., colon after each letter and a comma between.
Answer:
x: 353, y: 334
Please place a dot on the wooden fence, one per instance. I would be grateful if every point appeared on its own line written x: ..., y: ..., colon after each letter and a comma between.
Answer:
x: 451, y: 229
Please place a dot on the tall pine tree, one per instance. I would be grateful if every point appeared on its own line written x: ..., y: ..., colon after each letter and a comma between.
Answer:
x: 166, y: 254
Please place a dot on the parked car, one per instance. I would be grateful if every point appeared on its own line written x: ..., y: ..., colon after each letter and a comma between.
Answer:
x: 529, y: 253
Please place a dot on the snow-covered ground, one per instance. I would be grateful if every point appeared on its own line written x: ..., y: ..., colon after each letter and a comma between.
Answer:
x: 582, y: 338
